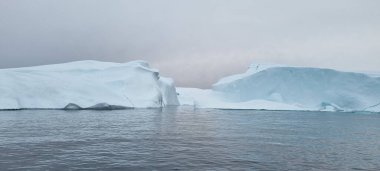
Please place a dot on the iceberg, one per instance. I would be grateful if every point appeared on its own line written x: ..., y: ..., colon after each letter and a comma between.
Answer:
x: 95, y: 85
x: 86, y: 85
x: 280, y: 87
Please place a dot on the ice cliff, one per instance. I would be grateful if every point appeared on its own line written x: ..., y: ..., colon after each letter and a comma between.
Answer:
x: 85, y: 85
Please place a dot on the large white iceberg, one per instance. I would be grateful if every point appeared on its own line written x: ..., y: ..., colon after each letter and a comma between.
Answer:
x: 278, y: 87
x: 85, y: 85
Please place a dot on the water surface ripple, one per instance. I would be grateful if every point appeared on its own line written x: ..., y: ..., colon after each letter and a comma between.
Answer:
x: 188, y: 139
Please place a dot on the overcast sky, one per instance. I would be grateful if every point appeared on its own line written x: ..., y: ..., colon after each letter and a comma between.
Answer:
x: 196, y: 42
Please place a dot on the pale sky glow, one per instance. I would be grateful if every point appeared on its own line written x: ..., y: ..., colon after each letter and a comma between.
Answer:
x: 196, y: 42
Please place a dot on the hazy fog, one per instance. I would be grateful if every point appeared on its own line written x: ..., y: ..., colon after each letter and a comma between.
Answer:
x: 194, y: 41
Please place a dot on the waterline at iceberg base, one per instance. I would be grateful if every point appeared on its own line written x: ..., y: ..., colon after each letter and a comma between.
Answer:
x: 104, y: 85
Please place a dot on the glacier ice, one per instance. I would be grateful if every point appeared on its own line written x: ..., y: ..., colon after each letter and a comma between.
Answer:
x: 85, y: 85
x: 103, y: 85
x: 279, y: 87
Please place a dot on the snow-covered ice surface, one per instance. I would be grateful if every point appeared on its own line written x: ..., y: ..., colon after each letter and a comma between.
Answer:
x: 278, y: 87
x: 85, y: 84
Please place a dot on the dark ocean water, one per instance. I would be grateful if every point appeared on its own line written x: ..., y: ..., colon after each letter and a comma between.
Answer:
x: 188, y: 139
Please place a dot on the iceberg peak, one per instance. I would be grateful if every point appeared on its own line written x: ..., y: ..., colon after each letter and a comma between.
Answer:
x: 252, y: 69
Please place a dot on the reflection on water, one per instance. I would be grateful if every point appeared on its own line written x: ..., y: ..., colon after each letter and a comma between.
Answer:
x: 188, y: 139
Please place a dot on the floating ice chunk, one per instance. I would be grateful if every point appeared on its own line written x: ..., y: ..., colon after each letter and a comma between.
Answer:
x: 72, y: 106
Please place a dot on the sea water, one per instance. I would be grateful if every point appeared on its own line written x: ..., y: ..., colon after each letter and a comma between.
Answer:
x: 185, y: 138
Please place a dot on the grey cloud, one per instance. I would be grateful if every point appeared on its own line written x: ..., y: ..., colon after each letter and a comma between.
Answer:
x: 194, y: 41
